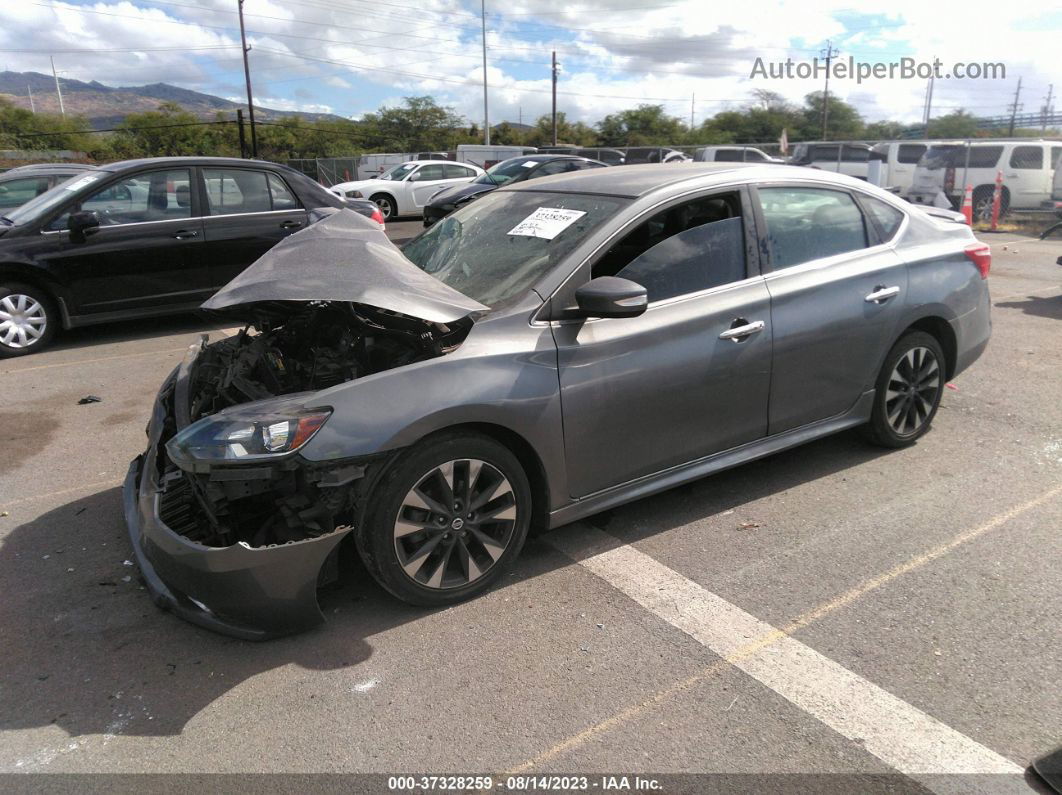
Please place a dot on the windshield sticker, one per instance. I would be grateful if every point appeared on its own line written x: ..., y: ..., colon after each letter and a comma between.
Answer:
x: 546, y: 222
x: 80, y: 183
x: 529, y: 164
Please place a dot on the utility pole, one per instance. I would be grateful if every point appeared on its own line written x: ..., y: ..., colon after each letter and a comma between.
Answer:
x: 486, y: 118
x: 58, y: 90
x: 830, y: 54
x: 693, y: 102
x: 1048, y: 109
x: 929, y: 108
x: 247, y: 77
x: 554, y: 97
x: 239, y: 125
x: 33, y: 108
x: 1014, y: 108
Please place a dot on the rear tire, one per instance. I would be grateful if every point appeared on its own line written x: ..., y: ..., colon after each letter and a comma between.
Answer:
x: 908, y: 391
x: 982, y: 203
x: 446, y: 520
x: 29, y: 320
x: 386, y: 204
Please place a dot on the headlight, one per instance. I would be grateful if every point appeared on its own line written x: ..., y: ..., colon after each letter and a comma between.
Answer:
x: 354, y: 194
x: 234, y: 437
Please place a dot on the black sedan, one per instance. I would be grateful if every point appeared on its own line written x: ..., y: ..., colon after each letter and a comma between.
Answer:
x: 142, y: 238
x: 507, y: 172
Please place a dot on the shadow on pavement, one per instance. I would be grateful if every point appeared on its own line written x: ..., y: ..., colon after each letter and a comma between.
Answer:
x: 1050, y: 307
x: 87, y: 650
x: 127, y: 330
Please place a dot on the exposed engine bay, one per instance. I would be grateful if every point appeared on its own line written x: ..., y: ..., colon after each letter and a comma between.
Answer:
x: 287, y: 347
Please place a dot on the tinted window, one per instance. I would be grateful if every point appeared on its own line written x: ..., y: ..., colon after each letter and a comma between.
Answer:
x: 728, y: 155
x: 681, y: 250
x: 754, y: 155
x: 434, y: 171
x: 856, y: 154
x: 887, y: 216
x: 457, y: 172
x: 910, y: 153
x: 980, y: 156
x: 283, y: 198
x: 1056, y: 154
x: 15, y: 192
x: 156, y: 196
x: 1027, y: 157
x: 937, y: 157
x: 804, y: 224
x: 556, y: 167
x: 824, y: 152
x: 236, y: 190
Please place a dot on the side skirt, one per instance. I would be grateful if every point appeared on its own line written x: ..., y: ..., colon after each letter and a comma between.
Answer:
x: 717, y: 462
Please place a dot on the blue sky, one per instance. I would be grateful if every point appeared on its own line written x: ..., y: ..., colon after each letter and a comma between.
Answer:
x: 352, y: 56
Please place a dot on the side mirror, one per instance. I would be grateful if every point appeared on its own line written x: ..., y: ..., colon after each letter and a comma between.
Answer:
x: 81, y: 224
x: 414, y: 177
x: 611, y: 296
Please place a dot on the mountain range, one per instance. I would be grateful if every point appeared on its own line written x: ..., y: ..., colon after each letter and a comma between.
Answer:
x: 105, y: 106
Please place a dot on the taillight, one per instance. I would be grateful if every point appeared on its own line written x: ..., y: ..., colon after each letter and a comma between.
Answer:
x: 377, y: 216
x: 980, y: 254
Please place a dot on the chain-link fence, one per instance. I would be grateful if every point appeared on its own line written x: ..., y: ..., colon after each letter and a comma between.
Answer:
x: 328, y: 171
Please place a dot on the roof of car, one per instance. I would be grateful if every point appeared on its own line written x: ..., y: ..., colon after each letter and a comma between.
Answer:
x: 47, y: 168
x: 542, y: 158
x: 633, y: 181
x: 122, y: 165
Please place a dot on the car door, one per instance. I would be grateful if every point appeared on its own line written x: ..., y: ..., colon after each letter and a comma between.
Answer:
x: 145, y: 253
x: 836, y: 297
x: 691, y: 375
x: 248, y: 211
x: 421, y: 185
x: 1027, y: 168
x: 902, y: 161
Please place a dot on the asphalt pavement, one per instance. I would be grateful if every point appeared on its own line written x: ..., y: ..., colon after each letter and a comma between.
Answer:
x: 835, y: 609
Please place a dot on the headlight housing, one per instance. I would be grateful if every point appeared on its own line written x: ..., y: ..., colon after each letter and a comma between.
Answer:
x: 239, y: 436
x: 354, y: 194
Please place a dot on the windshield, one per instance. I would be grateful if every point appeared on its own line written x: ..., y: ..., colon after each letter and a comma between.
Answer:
x: 475, y: 251
x: 49, y: 200
x: 507, y: 171
x: 398, y: 172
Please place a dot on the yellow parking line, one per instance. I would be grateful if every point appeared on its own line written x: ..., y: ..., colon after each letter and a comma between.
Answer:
x: 767, y: 639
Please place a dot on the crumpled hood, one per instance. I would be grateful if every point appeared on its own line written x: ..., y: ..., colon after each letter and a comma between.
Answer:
x: 345, y: 257
x: 456, y: 193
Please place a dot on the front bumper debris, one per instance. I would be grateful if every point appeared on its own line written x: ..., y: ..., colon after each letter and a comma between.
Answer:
x: 254, y: 593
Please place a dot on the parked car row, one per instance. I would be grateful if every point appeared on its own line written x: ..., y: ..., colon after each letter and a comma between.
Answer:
x: 142, y: 238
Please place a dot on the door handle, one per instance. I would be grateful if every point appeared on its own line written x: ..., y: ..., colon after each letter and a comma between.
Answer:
x: 185, y: 234
x: 291, y: 224
x: 739, y: 333
x: 882, y: 293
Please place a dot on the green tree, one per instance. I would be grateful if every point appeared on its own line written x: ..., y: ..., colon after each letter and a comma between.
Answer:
x: 22, y: 129
x: 640, y: 126
x: 957, y: 124
x: 167, y: 132
x: 541, y: 134
x: 843, y: 124
x: 419, y: 124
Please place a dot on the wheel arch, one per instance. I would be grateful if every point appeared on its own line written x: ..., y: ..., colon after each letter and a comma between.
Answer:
x: 942, y: 331
x: 23, y: 273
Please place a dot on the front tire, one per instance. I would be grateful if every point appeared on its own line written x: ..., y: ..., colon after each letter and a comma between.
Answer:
x: 446, y: 520
x: 28, y: 320
x: 908, y: 391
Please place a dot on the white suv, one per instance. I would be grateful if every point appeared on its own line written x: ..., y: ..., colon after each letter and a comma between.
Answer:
x: 739, y: 154
x: 1028, y: 166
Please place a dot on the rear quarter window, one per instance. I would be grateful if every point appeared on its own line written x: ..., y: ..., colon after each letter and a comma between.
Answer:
x: 1030, y: 157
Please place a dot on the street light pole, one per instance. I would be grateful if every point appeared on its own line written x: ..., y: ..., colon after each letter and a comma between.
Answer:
x: 247, y: 77
x: 486, y: 119
x: 554, y: 97
x: 59, y: 91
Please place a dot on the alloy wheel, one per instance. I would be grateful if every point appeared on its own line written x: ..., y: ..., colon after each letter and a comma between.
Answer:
x: 912, y: 391
x: 23, y: 320
x: 385, y: 207
x: 455, y: 524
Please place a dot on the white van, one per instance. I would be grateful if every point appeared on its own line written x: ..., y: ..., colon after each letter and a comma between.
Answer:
x: 850, y: 159
x: 733, y: 154
x: 1028, y: 167
x: 901, y: 157
x: 487, y: 156
x: 374, y: 165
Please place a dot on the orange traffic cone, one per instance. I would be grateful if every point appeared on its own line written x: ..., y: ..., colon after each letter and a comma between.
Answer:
x: 967, y: 205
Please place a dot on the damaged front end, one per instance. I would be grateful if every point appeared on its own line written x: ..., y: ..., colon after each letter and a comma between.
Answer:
x: 232, y: 528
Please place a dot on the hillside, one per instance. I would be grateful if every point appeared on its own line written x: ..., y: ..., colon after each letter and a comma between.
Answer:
x: 105, y: 106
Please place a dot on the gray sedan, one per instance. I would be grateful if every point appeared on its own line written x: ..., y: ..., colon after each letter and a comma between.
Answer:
x: 552, y: 350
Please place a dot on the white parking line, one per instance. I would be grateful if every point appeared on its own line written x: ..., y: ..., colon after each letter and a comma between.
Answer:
x: 895, y: 732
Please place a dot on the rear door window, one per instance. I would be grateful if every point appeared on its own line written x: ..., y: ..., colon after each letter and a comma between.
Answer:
x: 805, y: 224
x: 1030, y: 157
x: 685, y: 249
x: 910, y: 153
x: 432, y: 172
x: 231, y: 191
x: 283, y: 198
x: 728, y: 155
x: 154, y: 196
x: 980, y: 157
